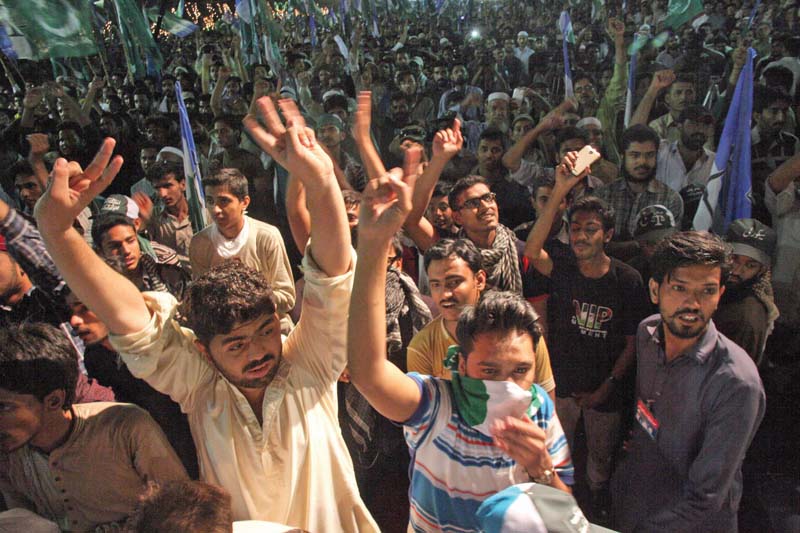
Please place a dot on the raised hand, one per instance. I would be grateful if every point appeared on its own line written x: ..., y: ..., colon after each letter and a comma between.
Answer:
x: 616, y: 28
x: 565, y: 179
x: 386, y: 201
x: 40, y: 145
x: 70, y: 188
x: 448, y: 142
x: 662, y: 79
x: 363, y: 117
x: 145, y: 205
x: 293, y: 146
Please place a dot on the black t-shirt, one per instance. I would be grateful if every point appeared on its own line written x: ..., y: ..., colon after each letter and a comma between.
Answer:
x: 588, y: 320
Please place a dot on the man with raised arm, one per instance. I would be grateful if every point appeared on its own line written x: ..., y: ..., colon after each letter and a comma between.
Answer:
x: 465, y: 447
x: 262, y: 411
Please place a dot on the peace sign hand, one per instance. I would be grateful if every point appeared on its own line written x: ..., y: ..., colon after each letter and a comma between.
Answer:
x: 70, y: 189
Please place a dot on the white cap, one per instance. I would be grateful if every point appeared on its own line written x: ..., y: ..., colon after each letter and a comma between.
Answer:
x: 169, y: 150
x: 498, y: 96
x: 589, y: 120
x: 522, y: 34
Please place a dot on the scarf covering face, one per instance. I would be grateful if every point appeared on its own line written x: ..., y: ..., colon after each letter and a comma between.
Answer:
x: 500, y: 261
x: 481, y: 402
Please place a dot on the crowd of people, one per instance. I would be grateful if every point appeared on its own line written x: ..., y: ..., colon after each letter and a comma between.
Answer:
x: 395, y: 300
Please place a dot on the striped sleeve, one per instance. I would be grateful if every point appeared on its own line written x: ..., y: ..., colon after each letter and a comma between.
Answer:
x: 417, y: 428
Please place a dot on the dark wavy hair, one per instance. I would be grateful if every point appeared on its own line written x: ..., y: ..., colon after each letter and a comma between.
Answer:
x: 689, y: 248
x: 37, y: 359
x: 503, y: 312
x: 225, y: 296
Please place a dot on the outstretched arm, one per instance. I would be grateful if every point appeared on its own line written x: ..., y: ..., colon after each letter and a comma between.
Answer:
x: 446, y: 144
x: 296, y: 149
x: 384, y: 207
x: 661, y: 80
x: 534, y: 246
x: 114, y: 299
x: 363, y: 138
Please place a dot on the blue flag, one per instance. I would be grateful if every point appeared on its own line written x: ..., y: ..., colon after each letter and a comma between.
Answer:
x: 568, y: 36
x: 5, y: 44
x: 191, y: 168
x: 728, y: 193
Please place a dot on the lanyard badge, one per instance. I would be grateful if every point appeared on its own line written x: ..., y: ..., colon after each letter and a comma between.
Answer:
x: 646, y: 419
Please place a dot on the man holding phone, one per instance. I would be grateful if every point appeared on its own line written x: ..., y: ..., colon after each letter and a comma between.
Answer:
x: 594, y: 307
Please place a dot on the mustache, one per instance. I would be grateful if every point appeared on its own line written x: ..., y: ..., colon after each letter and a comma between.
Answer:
x: 686, y: 310
x: 255, y: 364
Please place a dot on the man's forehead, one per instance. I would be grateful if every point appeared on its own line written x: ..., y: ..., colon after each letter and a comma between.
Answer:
x: 489, y: 143
x: 697, y: 274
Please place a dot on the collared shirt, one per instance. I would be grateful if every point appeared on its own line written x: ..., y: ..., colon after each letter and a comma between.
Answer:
x: 708, y: 404
x: 627, y: 204
x: 98, y: 474
x: 523, y: 54
x: 294, y: 467
x: 169, y: 231
x: 671, y: 170
x: 668, y: 130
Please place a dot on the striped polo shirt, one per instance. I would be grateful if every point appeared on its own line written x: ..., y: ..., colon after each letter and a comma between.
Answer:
x: 456, y: 467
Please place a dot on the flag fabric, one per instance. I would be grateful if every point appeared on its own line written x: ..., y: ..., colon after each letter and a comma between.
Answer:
x: 312, y: 26
x: 137, y: 41
x: 679, y: 12
x: 5, y: 44
x: 179, y: 10
x: 191, y: 168
x: 639, y: 40
x: 568, y: 36
x: 629, y: 96
x: 48, y: 28
x: 482, y: 402
x: 728, y: 192
x: 172, y: 23
x: 753, y: 14
x: 597, y: 9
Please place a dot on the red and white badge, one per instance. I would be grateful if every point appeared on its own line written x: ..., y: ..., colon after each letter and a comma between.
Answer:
x: 646, y: 419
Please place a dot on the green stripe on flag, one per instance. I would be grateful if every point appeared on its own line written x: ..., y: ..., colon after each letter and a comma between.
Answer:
x: 679, y: 12
x: 51, y: 28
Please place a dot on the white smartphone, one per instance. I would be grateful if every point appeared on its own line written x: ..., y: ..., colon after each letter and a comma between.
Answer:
x: 586, y: 157
x: 519, y: 94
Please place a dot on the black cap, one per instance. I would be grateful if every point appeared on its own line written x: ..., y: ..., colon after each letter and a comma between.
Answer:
x: 753, y: 239
x: 653, y: 223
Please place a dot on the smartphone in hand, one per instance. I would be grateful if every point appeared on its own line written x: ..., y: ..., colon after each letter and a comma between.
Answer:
x: 586, y: 157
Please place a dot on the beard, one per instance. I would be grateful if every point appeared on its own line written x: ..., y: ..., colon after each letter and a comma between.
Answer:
x: 686, y: 331
x: 256, y: 383
x: 694, y: 142
x: 650, y: 175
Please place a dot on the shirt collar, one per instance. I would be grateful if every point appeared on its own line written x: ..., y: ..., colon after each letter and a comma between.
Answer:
x: 700, y: 350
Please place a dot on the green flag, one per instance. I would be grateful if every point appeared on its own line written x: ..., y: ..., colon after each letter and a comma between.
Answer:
x: 172, y: 22
x: 48, y: 28
x: 679, y: 12
x: 137, y: 41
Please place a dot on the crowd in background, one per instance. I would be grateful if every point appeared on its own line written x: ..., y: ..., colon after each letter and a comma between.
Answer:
x: 469, y: 99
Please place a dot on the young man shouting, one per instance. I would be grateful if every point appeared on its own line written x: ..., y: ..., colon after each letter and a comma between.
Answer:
x: 262, y: 411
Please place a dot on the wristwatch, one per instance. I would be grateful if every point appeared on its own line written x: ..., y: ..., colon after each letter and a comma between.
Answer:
x: 546, y: 478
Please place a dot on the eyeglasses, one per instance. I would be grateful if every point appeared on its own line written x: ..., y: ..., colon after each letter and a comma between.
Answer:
x: 475, y: 203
